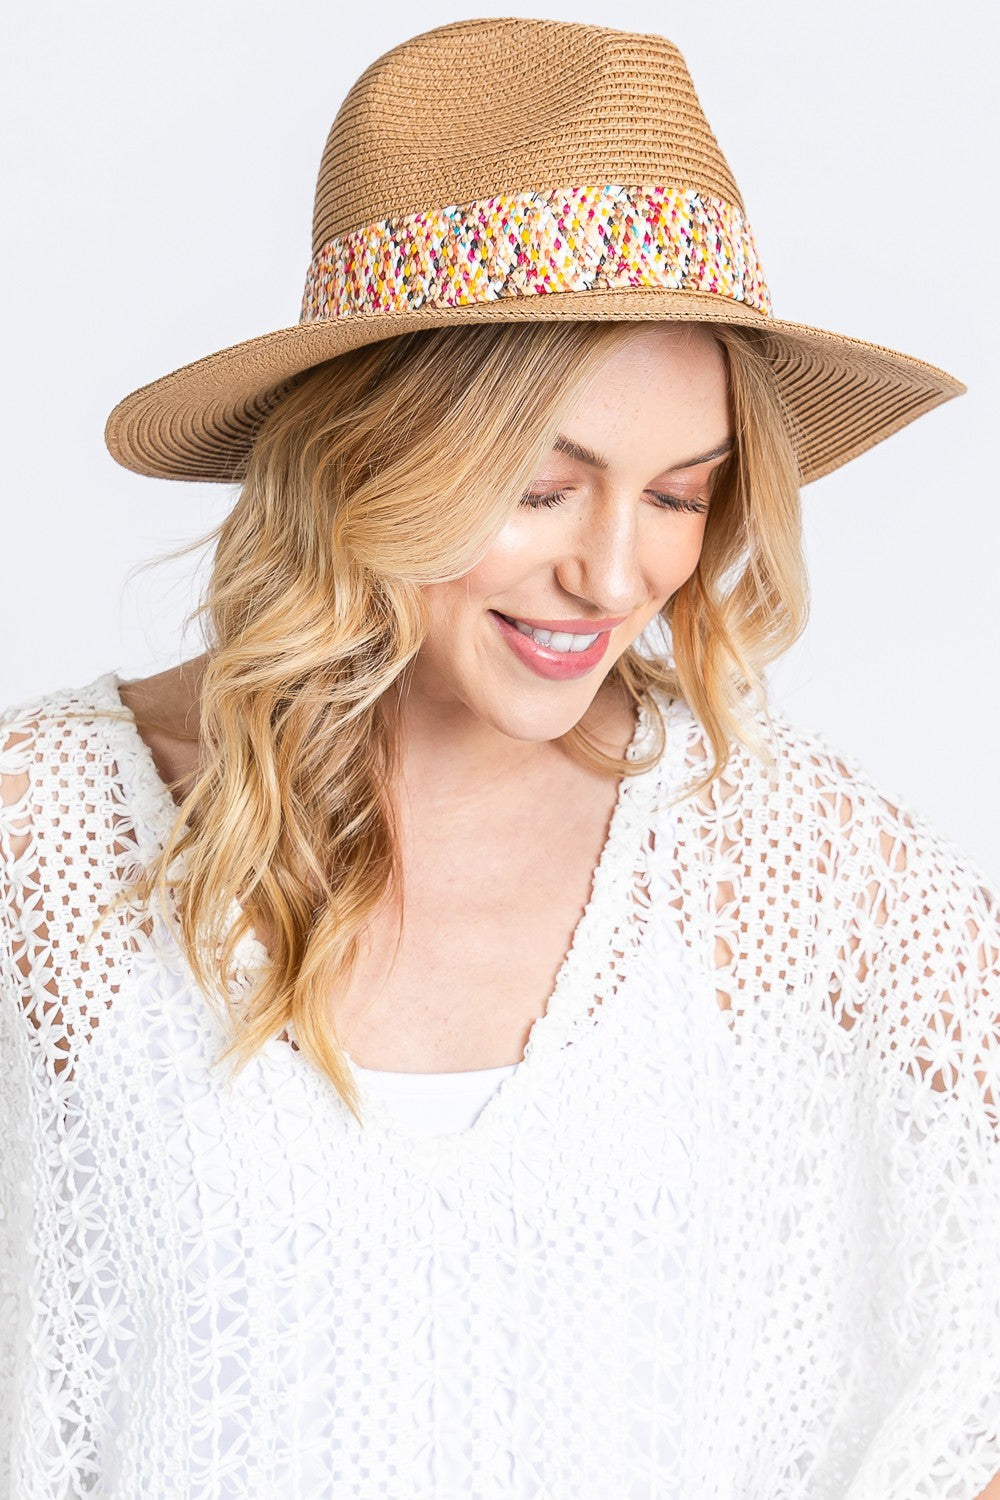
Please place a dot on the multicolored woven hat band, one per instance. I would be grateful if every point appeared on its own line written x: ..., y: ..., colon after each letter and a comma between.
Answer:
x: 423, y: 218
x: 573, y: 239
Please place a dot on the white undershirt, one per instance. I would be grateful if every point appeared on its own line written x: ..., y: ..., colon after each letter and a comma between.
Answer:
x: 436, y: 1103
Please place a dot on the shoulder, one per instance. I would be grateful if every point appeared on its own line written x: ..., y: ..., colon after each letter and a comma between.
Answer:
x: 777, y: 752
x: 776, y: 762
x: 64, y: 706
x: 904, y: 916
x: 82, y: 715
x: 66, y: 845
x: 898, y: 835
x: 56, y: 749
x: 799, y: 788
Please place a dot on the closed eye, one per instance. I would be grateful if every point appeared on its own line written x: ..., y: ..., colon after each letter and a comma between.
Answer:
x: 667, y: 502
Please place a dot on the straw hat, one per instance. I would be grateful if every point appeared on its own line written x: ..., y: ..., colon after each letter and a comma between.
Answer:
x: 509, y: 169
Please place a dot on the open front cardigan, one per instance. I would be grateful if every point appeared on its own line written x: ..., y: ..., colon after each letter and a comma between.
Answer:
x: 731, y: 1231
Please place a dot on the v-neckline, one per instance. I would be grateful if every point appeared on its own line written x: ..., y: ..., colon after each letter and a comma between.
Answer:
x: 608, y: 908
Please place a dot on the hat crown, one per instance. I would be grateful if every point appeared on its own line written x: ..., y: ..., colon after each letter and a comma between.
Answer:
x: 485, y: 107
x: 498, y: 170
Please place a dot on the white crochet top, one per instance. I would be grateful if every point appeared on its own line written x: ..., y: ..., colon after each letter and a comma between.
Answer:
x: 730, y: 1230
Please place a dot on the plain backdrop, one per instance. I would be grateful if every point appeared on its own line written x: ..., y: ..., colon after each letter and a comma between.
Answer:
x: 159, y: 164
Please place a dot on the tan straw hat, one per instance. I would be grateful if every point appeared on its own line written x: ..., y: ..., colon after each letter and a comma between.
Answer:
x: 509, y: 169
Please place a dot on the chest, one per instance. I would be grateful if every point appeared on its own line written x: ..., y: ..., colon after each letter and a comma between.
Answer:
x: 489, y: 910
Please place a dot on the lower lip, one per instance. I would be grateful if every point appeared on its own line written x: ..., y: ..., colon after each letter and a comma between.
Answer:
x: 559, y: 665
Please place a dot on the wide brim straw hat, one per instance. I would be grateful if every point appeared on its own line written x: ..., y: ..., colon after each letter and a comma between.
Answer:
x: 510, y: 169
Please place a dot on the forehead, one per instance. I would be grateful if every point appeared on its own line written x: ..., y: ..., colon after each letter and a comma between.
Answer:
x: 664, y: 373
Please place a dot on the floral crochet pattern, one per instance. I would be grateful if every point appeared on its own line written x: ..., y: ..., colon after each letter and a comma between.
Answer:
x: 729, y: 1229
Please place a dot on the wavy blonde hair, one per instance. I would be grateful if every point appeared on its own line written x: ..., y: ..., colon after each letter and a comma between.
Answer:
x: 364, y: 484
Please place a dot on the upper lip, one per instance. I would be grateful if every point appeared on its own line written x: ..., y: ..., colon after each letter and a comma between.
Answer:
x: 570, y: 627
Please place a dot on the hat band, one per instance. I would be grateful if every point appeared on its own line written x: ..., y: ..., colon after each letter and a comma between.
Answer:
x: 573, y: 239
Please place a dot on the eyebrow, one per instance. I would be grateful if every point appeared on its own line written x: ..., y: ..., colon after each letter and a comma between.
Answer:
x: 597, y: 461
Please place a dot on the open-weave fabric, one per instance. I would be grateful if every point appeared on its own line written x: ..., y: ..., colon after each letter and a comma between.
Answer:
x: 730, y: 1230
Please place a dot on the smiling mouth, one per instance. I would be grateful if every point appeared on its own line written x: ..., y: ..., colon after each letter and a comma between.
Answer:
x: 559, y: 655
x: 570, y: 642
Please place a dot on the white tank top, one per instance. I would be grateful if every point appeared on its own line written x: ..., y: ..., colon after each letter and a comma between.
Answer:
x: 436, y: 1103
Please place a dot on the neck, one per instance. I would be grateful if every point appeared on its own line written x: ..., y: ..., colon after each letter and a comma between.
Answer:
x: 449, y: 757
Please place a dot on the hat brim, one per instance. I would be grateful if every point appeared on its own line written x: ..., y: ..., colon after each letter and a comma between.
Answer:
x: 843, y: 395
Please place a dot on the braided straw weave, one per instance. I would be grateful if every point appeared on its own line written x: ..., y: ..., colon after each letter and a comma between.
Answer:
x: 508, y: 169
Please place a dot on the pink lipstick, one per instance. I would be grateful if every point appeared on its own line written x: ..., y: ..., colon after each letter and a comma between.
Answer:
x: 556, y: 665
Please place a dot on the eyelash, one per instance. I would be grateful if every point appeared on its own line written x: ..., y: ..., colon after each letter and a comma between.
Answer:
x: 666, y: 502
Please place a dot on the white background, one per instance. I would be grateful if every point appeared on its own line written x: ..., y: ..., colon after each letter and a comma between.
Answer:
x: 158, y: 172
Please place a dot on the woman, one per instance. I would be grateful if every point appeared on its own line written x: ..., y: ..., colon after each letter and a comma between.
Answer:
x: 613, y: 1106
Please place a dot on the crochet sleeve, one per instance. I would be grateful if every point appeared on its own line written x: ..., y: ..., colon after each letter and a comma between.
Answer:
x: 36, y: 1301
x: 62, y: 843
x: 18, y: 874
x: 928, y: 956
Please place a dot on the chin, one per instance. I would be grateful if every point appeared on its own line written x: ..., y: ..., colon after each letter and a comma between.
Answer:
x: 541, y: 714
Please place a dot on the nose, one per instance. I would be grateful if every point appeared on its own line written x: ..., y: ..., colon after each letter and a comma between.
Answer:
x: 601, y: 564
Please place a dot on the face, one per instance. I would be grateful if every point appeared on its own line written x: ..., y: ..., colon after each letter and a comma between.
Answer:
x: 610, y: 527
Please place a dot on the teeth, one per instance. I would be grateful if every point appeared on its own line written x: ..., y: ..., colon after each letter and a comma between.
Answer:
x: 559, y: 640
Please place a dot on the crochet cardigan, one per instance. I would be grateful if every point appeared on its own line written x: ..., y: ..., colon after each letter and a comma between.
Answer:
x: 731, y: 1231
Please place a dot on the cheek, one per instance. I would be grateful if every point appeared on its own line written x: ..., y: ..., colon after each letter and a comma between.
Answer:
x: 510, y: 558
x: 446, y: 604
x: 670, y: 563
x: 516, y: 550
x: 450, y: 606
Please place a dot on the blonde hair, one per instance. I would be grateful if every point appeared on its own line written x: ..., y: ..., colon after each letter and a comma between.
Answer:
x: 364, y: 484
